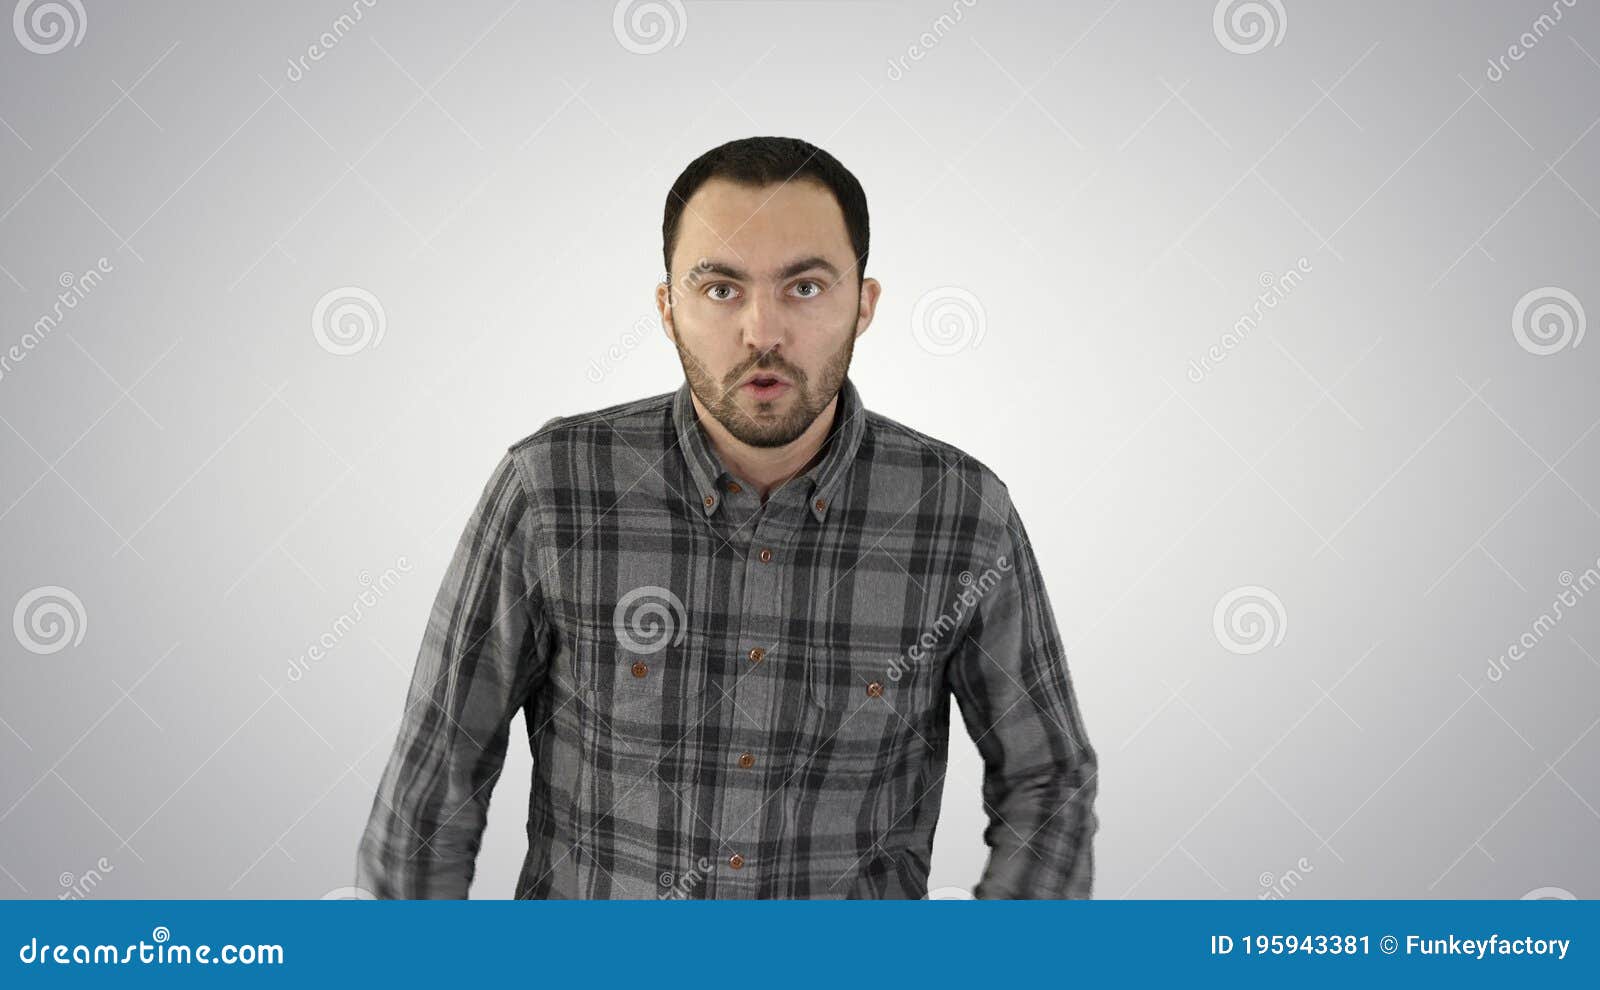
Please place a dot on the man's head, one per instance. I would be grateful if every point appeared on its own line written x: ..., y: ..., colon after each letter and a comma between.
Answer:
x: 765, y: 243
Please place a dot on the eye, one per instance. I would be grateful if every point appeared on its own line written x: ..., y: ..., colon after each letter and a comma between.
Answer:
x: 719, y: 285
x: 817, y: 286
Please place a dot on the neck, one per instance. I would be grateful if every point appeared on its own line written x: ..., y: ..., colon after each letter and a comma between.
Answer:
x: 767, y: 468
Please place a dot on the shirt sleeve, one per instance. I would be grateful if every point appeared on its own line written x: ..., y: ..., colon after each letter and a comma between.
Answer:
x: 1009, y: 675
x: 481, y: 656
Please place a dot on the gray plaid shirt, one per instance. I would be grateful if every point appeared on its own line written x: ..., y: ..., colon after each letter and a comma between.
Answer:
x: 732, y: 699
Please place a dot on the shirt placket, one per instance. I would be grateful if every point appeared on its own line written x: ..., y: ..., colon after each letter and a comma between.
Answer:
x: 749, y: 754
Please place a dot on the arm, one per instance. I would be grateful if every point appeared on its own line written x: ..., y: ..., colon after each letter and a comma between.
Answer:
x: 1009, y: 675
x: 481, y: 656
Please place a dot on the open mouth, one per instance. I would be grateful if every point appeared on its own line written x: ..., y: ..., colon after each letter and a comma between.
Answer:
x: 764, y: 386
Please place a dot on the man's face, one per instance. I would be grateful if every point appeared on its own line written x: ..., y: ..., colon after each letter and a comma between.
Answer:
x: 764, y: 305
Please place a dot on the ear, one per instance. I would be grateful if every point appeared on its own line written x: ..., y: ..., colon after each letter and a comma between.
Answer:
x: 870, y: 290
x: 664, y: 307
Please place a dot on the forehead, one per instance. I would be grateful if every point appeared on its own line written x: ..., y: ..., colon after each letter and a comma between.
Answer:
x: 764, y: 226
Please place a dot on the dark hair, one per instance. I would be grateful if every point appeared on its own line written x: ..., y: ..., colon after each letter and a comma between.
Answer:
x: 761, y: 161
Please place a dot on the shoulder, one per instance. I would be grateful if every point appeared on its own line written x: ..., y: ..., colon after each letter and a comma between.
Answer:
x: 566, y: 440
x: 954, y: 468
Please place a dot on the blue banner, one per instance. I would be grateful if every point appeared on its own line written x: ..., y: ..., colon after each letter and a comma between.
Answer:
x: 790, y: 943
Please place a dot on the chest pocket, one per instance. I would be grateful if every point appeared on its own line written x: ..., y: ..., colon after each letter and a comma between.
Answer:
x: 869, y: 719
x: 645, y: 710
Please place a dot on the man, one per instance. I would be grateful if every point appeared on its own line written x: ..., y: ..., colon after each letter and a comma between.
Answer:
x: 734, y: 615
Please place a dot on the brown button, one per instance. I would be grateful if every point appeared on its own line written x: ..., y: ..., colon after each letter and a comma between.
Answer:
x: 639, y: 668
x: 766, y: 556
x: 710, y: 501
x: 736, y: 861
x: 733, y: 486
x: 874, y: 689
x: 821, y: 504
x: 756, y: 653
x: 746, y: 760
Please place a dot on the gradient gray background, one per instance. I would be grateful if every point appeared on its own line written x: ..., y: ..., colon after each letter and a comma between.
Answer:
x: 1404, y: 474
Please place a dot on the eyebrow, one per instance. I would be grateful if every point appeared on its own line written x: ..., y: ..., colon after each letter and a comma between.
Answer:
x: 787, y: 271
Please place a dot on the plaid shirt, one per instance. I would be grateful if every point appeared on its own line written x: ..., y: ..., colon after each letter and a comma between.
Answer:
x: 732, y: 699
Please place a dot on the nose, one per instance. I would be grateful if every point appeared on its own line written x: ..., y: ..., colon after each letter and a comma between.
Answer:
x: 763, y: 326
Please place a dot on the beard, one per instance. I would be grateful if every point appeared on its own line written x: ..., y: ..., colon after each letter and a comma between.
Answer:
x: 768, y: 427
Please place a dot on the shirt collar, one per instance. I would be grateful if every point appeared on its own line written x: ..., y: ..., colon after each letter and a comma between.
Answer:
x: 822, y: 483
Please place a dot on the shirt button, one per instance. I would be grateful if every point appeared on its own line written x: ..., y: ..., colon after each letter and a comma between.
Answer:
x: 766, y: 556
x: 821, y: 504
x: 733, y: 486
x: 639, y: 668
x: 736, y: 861
x: 874, y: 690
x: 710, y: 500
x: 746, y: 760
x: 756, y: 653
